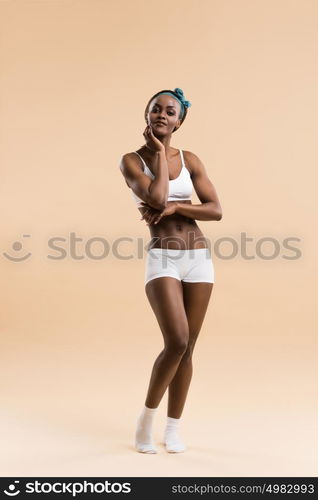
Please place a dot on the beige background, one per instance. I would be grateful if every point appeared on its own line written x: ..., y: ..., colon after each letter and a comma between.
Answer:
x: 78, y: 336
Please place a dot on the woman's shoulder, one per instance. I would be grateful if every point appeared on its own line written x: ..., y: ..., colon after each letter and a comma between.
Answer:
x: 189, y: 155
x: 191, y: 159
x: 130, y: 165
x: 129, y: 157
x: 132, y: 158
x: 130, y: 154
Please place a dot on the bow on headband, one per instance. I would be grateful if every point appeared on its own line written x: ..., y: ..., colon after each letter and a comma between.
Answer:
x: 181, y: 97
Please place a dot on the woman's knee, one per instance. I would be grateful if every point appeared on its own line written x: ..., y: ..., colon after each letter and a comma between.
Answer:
x: 176, y: 345
x: 187, y: 355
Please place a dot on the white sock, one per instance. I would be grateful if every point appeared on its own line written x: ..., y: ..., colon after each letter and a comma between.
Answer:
x: 143, y: 437
x: 171, y: 438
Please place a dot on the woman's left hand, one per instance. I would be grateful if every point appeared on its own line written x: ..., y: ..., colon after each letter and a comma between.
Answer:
x: 153, y: 216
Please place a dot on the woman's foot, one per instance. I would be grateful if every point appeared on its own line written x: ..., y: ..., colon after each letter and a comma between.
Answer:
x: 145, y: 448
x: 171, y: 439
x: 143, y: 437
x: 175, y: 445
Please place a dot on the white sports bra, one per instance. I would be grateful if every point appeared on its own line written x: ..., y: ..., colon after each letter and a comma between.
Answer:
x: 180, y: 188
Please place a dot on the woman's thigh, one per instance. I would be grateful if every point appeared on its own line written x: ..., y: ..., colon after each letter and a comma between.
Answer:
x: 196, y: 297
x: 165, y: 295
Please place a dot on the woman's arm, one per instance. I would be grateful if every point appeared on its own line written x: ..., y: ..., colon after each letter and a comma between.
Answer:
x: 159, y: 187
x: 153, y: 192
x: 205, y: 211
x: 210, y: 209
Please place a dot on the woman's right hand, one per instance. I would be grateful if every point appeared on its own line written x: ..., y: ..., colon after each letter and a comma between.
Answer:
x: 151, y: 141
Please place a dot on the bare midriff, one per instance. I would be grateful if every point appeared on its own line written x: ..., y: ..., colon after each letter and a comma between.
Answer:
x: 176, y: 231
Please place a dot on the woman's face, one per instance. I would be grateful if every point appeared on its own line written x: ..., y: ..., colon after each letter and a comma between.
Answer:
x: 166, y: 109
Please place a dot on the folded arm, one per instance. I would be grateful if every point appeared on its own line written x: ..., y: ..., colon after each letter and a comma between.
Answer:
x: 152, y: 191
x: 210, y: 207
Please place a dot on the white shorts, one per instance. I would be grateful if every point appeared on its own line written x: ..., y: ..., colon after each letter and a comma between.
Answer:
x: 190, y: 265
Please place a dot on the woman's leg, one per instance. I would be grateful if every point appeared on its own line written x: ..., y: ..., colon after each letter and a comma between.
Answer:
x: 165, y: 295
x: 196, y: 298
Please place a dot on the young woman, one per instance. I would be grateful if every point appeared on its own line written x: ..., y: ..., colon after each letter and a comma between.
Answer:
x: 179, y: 273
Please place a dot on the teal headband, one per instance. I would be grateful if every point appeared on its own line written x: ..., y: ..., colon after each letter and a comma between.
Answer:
x: 180, y: 97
